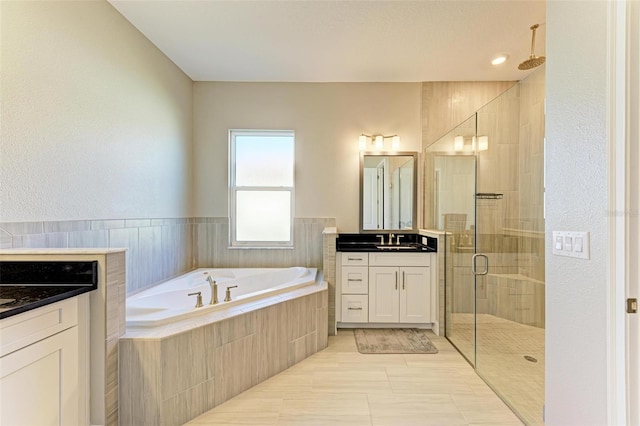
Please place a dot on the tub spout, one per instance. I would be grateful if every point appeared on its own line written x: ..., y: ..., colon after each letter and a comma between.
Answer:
x: 214, y: 290
x: 227, y: 297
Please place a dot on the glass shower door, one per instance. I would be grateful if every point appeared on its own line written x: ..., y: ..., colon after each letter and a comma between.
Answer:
x: 450, y: 172
x: 509, y: 247
x: 484, y: 186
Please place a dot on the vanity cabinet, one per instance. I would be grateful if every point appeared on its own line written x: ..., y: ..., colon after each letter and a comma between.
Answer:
x: 354, y: 276
x: 399, y: 294
x: 385, y: 288
x: 40, y: 367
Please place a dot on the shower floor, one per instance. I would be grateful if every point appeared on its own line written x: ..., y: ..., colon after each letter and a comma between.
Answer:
x: 502, y: 346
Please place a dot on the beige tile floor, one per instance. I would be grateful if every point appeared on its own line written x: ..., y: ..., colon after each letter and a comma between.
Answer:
x: 339, y: 386
x: 502, y: 345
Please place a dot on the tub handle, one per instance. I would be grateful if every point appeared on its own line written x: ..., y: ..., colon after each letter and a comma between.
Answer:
x: 198, y: 298
x: 227, y: 297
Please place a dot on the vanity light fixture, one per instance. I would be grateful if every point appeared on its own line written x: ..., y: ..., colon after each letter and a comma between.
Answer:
x: 378, y: 141
x: 481, y: 142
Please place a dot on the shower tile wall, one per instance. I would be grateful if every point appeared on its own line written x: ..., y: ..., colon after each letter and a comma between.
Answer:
x: 513, y: 241
x: 158, y: 249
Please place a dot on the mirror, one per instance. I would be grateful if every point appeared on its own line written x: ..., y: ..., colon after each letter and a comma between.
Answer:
x: 388, y: 191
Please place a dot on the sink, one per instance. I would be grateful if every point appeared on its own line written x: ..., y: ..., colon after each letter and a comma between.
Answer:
x: 396, y: 247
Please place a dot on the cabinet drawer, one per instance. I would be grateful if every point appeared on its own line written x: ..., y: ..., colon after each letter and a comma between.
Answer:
x: 355, y: 279
x: 399, y: 259
x: 355, y: 308
x: 355, y: 259
x: 29, y: 327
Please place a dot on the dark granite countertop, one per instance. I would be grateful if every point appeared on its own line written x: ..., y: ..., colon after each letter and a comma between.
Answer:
x: 22, y: 298
x: 28, y: 285
x: 371, y: 242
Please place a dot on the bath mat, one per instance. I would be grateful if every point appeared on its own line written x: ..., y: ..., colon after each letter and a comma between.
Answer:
x: 393, y: 341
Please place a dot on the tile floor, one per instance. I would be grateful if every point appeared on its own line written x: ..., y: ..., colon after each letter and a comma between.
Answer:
x: 502, y: 345
x: 339, y: 386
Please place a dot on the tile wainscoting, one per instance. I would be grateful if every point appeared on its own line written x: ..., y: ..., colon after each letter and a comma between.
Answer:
x: 159, y: 249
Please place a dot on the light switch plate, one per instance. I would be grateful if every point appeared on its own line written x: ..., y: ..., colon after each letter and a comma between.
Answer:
x: 574, y: 244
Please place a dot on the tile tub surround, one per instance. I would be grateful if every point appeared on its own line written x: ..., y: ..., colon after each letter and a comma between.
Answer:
x: 107, y: 313
x: 170, y: 375
x: 157, y: 249
x: 329, y: 235
x: 161, y: 248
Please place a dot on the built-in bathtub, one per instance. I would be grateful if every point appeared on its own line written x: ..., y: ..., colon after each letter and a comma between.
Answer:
x: 170, y: 301
x: 177, y: 361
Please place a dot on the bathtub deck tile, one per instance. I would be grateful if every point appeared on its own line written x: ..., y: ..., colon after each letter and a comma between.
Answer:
x: 140, y: 379
x: 272, y: 341
x: 188, y: 404
x: 302, y: 347
x: 184, y: 362
x: 235, y: 328
x: 300, y: 323
x: 234, y: 368
x: 322, y: 331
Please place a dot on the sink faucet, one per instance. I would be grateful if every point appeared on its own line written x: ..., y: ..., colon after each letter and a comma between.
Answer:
x: 214, y: 290
x: 391, y: 238
x: 398, y: 239
x: 381, y: 239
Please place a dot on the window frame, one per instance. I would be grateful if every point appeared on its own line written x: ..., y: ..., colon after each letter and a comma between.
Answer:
x: 233, y: 189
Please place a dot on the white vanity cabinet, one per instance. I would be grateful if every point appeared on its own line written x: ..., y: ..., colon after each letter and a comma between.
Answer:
x: 354, y: 277
x: 399, y: 288
x: 390, y: 288
x: 40, y: 365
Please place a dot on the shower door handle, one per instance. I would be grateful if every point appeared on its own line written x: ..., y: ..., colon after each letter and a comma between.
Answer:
x: 474, y: 270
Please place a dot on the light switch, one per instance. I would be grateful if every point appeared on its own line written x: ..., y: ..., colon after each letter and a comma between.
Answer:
x: 577, y: 245
x: 558, y: 243
x: 571, y: 244
x: 568, y: 243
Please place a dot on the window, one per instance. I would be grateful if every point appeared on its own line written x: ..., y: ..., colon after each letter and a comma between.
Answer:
x: 261, y: 188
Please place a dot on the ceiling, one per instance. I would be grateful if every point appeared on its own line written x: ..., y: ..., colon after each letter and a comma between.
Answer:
x: 341, y: 41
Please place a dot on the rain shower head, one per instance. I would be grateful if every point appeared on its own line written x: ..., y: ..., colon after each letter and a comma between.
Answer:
x: 533, y: 61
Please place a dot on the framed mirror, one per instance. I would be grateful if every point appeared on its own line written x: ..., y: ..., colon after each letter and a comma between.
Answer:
x: 388, y: 191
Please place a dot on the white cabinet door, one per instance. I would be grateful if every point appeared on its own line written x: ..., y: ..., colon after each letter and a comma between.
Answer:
x: 415, y: 295
x: 383, y: 294
x: 38, y: 383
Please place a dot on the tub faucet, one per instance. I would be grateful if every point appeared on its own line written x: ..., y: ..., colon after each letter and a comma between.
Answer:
x: 227, y: 297
x: 198, y: 298
x: 214, y: 290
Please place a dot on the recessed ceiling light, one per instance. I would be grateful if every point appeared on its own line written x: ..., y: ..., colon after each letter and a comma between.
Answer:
x: 500, y: 59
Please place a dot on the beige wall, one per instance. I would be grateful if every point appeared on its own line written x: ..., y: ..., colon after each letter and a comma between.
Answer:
x: 96, y: 121
x: 327, y: 119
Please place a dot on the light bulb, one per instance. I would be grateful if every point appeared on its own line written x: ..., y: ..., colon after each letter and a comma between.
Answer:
x: 458, y: 143
x: 362, y: 142
x: 483, y: 143
x: 395, y: 142
x: 379, y: 142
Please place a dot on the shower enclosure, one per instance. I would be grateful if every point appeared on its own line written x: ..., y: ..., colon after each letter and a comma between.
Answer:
x: 484, y: 186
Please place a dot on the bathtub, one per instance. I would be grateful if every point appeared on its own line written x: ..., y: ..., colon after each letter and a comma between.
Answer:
x: 168, y: 302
